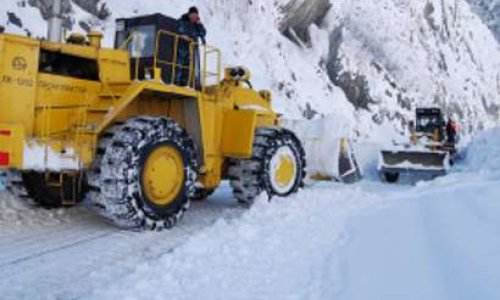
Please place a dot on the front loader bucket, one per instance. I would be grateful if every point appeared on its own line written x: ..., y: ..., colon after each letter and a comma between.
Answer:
x: 421, y: 160
x: 349, y: 171
x: 329, y: 154
x: 426, y: 163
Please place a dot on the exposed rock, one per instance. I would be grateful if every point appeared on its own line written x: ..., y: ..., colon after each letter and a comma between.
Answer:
x: 299, y: 15
x: 83, y: 25
x: 13, y: 19
x: 45, y: 7
x: 356, y: 89
x: 94, y: 7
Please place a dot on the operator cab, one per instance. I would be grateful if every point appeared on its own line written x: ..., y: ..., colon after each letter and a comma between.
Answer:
x: 429, y: 120
x: 152, y: 42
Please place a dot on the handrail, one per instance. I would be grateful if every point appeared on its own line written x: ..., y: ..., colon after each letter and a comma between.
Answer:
x: 175, y: 60
x: 174, y: 65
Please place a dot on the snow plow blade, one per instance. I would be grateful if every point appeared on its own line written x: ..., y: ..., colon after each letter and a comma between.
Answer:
x: 349, y: 171
x: 415, y: 163
x: 329, y: 153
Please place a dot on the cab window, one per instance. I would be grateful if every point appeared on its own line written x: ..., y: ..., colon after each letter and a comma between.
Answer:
x: 142, y: 43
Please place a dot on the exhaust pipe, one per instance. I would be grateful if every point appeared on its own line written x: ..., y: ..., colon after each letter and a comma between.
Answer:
x: 55, y: 27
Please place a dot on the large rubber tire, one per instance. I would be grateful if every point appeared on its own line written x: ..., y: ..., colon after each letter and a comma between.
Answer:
x: 251, y: 177
x: 391, y: 177
x: 33, y: 188
x: 117, y: 191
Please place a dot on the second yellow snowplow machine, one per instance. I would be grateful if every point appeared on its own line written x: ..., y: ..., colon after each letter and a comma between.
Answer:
x: 427, y: 156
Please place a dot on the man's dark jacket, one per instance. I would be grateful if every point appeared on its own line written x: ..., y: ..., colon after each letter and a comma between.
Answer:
x: 192, y: 30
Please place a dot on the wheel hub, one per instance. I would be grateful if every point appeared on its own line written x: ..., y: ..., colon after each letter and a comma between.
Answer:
x: 163, y: 175
x: 283, y: 170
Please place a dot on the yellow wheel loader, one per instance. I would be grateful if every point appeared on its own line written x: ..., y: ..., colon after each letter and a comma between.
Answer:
x: 114, y: 127
x: 427, y: 156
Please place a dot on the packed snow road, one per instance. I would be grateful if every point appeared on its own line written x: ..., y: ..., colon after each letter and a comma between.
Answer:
x: 65, y: 254
x: 436, y: 240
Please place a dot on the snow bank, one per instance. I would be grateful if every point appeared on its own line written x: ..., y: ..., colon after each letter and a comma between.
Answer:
x: 321, y: 139
x: 17, y: 215
x: 483, y: 153
x: 436, y: 241
x: 280, y: 250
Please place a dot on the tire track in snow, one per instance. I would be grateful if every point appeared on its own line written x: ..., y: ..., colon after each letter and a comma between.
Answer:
x: 51, y: 259
x: 52, y: 250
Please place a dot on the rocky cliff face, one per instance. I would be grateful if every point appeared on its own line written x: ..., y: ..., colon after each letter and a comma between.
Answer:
x: 299, y: 15
x: 96, y: 9
x: 415, y: 53
x: 390, y: 57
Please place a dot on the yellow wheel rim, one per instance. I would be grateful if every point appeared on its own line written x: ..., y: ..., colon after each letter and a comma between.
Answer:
x: 163, y: 175
x: 285, y: 171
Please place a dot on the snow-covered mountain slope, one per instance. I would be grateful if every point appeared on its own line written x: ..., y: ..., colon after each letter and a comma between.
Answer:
x: 489, y: 11
x: 391, y: 56
x: 373, y: 61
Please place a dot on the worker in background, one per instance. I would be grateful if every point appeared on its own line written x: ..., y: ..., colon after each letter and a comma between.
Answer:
x: 191, y: 31
x: 452, y: 130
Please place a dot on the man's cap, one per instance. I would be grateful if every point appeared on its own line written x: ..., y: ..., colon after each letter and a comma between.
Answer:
x: 193, y: 10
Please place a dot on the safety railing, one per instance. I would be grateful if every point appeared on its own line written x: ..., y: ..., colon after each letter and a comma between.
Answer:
x: 190, y: 64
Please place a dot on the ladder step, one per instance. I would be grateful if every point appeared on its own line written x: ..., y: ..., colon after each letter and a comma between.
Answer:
x: 98, y: 109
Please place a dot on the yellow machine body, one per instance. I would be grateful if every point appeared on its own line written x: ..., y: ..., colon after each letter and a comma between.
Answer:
x: 53, y: 110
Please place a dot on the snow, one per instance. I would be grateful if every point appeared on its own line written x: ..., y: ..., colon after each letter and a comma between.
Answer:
x: 277, y: 250
x: 30, y: 17
x: 334, y: 241
x: 483, y: 156
x: 17, y: 216
x: 408, y: 165
x: 428, y: 245
x: 416, y: 53
x: 412, y: 53
x: 435, y: 240
x: 38, y: 157
x: 321, y: 139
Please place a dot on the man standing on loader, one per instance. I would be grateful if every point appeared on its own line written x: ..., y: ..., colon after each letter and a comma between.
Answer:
x: 191, y: 30
x: 452, y: 129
